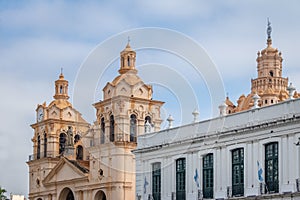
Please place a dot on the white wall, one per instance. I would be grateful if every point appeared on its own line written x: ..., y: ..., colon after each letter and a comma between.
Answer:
x: 250, y: 130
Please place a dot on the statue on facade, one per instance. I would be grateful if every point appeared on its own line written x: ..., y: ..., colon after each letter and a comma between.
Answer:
x: 70, y: 141
x: 148, y: 127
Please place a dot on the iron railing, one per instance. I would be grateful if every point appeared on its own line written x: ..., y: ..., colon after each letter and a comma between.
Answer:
x: 238, y: 190
x: 173, y: 196
x: 262, y: 188
x: 199, y: 195
x: 208, y: 192
x: 48, y: 154
x: 229, y: 191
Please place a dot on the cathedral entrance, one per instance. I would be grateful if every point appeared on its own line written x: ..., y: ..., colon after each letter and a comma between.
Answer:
x: 100, y: 195
x: 66, y: 194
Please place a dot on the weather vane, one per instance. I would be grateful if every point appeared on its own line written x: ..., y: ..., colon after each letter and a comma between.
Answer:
x: 128, y: 39
x: 269, y: 29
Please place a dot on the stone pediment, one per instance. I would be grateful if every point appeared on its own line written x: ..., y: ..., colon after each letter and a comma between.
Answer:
x: 66, y: 171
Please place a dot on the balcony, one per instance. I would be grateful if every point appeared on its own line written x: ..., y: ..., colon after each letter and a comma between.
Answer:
x: 48, y: 154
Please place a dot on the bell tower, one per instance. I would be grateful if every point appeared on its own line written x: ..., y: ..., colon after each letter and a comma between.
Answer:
x: 127, y: 60
x: 269, y: 84
x: 57, y: 134
x: 61, y: 88
x: 126, y: 111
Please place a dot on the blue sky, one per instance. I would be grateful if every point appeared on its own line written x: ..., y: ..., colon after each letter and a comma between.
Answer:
x: 37, y: 38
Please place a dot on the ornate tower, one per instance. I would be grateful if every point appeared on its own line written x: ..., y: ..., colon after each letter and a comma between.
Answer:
x: 127, y: 110
x: 269, y: 84
x: 61, y: 88
x: 57, y: 134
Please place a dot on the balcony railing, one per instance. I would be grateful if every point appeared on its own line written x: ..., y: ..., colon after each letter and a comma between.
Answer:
x: 229, y: 192
x: 200, y: 195
x: 262, y: 188
x: 48, y: 154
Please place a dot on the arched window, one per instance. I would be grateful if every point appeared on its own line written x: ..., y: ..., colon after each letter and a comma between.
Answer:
x: 76, y: 138
x: 100, y: 195
x: 128, y: 61
x: 45, y: 145
x: 271, y: 167
x: 180, y: 179
x: 148, y: 124
x: 208, y: 176
x: 38, y: 153
x: 66, y: 194
x: 79, y: 152
x: 62, y: 142
x: 133, y: 127
x: 102, y: 136
x: 61, y: 89
x: 112, y: 128
x: 271, y: 73
x: 238, y: 172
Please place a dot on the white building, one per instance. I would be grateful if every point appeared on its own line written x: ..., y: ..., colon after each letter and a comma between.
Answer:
x: 227, y: 153
x: 250, y: 151
x: 17, y: 197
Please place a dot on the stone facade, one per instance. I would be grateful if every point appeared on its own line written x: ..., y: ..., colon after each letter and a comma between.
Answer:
x: 73, y: 159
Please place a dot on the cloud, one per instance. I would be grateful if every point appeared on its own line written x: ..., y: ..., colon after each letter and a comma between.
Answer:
x: 77, y: 20
x: 37, y: 38
x: 17, y: 111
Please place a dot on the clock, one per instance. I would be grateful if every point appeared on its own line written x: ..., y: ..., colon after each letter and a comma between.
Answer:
x: 40, y: 114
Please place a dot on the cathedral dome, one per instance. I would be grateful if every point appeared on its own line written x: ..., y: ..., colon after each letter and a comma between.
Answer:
x: 130, y: 78
x: 60, y: 103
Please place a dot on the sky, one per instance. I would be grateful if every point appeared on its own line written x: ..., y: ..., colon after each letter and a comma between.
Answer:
x: 192, y: 52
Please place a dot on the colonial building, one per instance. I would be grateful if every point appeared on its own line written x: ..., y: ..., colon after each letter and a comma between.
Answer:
x: 251, y: 153
x: 75, y: 160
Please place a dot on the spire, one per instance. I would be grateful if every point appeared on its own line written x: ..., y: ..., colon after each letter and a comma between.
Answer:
x: 61, y: 87
x: 269, y: 31
x: 128, y: 42
x: 61, y: 76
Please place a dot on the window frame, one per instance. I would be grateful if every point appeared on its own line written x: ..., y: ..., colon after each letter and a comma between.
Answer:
x: 180, y: 178
x: 156, y: 181
x: 208, y: 176
x: 238, y: 171
x: 272, y: 167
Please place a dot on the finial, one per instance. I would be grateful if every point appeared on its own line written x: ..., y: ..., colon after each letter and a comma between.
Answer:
x: 61, y: 76
x: 128, y: 39
x: 291, y: 89
x: 222, y: 108
x: 195, y: 113
x: 269, y: 29
x: 128, y: 42
x: 170, y: 120
x: 255, y: 98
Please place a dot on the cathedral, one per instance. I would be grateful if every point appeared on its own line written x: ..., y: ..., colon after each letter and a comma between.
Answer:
x: 250, y: 151
x: 73, y: 159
